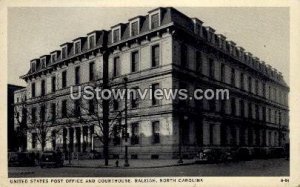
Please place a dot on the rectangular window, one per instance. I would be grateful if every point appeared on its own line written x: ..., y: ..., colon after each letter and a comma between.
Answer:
x: 242, y: 106
x: 77, y: 75
x: 155, y: 132
x: 233, y: 76
x: 256, y: 112
x: 264, y: 89
x: 256, y: 87
x: 211, y: 70
x: 155, y: 55
x: 116, y: 104
x: 134, y: 133
x: 43, y: 88
x: 184, y: 56
x: 116, y: 67
x: 212, y: 105
x: 264, y: 113
x: 91, y: 106
x: 64, y: 53
x: 33, y: 67
x: 91, y: 71
x: 92, y: 42
x: 134, y: 61
x: 64, y: 79
x: 64, y: 108
x: 134, y: 28
x: 223, y: 72
x: 77, y: 48
x: 77, y: 108
x: 269, y: 114
x: 33, y: 140
x: 198, y: 62
x: 53, y: 111
x: 242, y: 81
x: 270, y: 94
x: 249, y: 84
x: 154, y: 87
x: 134, y: 98
x: 250, y: 110
x: 53, y: 84
x: 33, y: 115
x: 33, y: 89
x: 233, y: 106
x: 154, y: 21
x: 43, y: 113
x: 53, y: 58
x: 116, y: 35
x: 43, y: 62
x: 116, y: 134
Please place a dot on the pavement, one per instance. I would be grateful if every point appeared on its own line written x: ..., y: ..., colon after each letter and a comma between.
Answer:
x: 133, y: 163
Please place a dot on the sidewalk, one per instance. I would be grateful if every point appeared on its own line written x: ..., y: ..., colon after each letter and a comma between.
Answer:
x: 136, y: 163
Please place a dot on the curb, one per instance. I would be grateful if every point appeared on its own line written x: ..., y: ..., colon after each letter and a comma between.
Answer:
x: 113, y: 167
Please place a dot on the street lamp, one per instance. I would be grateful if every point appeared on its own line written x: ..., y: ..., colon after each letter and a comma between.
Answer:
x: 126, y: 164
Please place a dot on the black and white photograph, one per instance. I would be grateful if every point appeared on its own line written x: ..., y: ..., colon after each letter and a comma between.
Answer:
x: 106, y: 94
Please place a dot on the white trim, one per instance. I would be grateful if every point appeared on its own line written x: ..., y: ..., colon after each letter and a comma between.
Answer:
x: 79, y: 50
x: 112, y: 33
x: 138, y: 23
x: 89, y: 46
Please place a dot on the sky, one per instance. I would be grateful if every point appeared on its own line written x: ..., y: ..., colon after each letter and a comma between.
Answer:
x: 36, y: 31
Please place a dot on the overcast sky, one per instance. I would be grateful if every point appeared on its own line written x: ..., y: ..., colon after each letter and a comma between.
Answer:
x: 33, y: 32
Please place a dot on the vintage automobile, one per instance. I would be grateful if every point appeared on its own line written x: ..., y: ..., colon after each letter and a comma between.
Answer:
x: 51, y: 159
x: 214, y: 155
x: 21, y: 159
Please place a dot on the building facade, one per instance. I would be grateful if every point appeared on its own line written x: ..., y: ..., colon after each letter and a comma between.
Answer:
x: 163, y: 49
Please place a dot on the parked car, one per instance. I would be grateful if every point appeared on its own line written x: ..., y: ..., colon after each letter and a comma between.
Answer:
x: 211, y: 156
x: 21, y: 159
x: 52, y: 159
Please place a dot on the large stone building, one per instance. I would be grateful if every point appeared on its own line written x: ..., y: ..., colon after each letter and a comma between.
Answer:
x: 163, y: 49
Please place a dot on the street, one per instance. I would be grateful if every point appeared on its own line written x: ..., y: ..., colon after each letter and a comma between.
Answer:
x: 271, y: 167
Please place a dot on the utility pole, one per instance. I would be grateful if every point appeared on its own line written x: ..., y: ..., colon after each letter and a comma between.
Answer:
x: 126, y: 164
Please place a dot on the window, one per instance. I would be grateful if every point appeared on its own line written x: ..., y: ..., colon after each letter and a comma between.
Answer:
x: 43, y: 113
x: 233, y: 106
x: 264, y: 113
x: 223, y: 72
x: 155, y: 132
x: 116, y: 104
x: 154, y: 21
x: 134, y: 28
x: 53, y: 111
x: 91, y: 41
x: 77, y: 108
x: 64, y: 79
x: 43, y: 88
x: 91, y: 106
x: 242, y: 106
x: 269, y: 114
x: 33, y: 89
x: 33, y: 140
x: 249, y: 84
x: 270, y: 92
x: 183, y: 53
x: 64, y: 108
x: 222, y: 106
x: 53, y: 84
x: 77, y: 75
x: 256, y: 86
x: 116, y: 134
x: 242, y: 81
x: 33, y: 115
x: 53, y: 58
x: 155, y: 55
x: 212, y: 105
x: 91, y: 71
x: 64, y: 53
x: 134, y: 98
x: 43, y: 62
x: 116, y: 35
x: 250, y: 110
x: 116, y: 67
x: 233, y: 76
x: 154, y: 87
x: 211, y: 70
x: 134, y: 133
x: 33, y: 66
x: 256, y: 112
x: 198, y: 62
x: 134, y: 61
x: 77, y: 47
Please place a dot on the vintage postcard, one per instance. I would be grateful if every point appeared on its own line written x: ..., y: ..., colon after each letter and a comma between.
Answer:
x: 137, y: 93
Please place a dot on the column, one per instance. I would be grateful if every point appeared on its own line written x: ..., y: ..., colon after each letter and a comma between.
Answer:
x: 81, y: 139
x: 237, y: 136
x: 217, y: 134
x: 89, y: 139
x: 206, y: 133
x: 68, y: 139
x: 74, y: 140
x: 267, y: 138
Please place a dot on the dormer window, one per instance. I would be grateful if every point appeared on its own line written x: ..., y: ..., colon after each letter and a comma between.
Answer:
x: 154, y: 20
x: 64, y: 53
x: 53, y: 58
x: 77, y: 47
x: 33, y: 66
x: 43, y: 62
x: 134, y: 28
x: 92, y: 41
x: 116, y: 35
